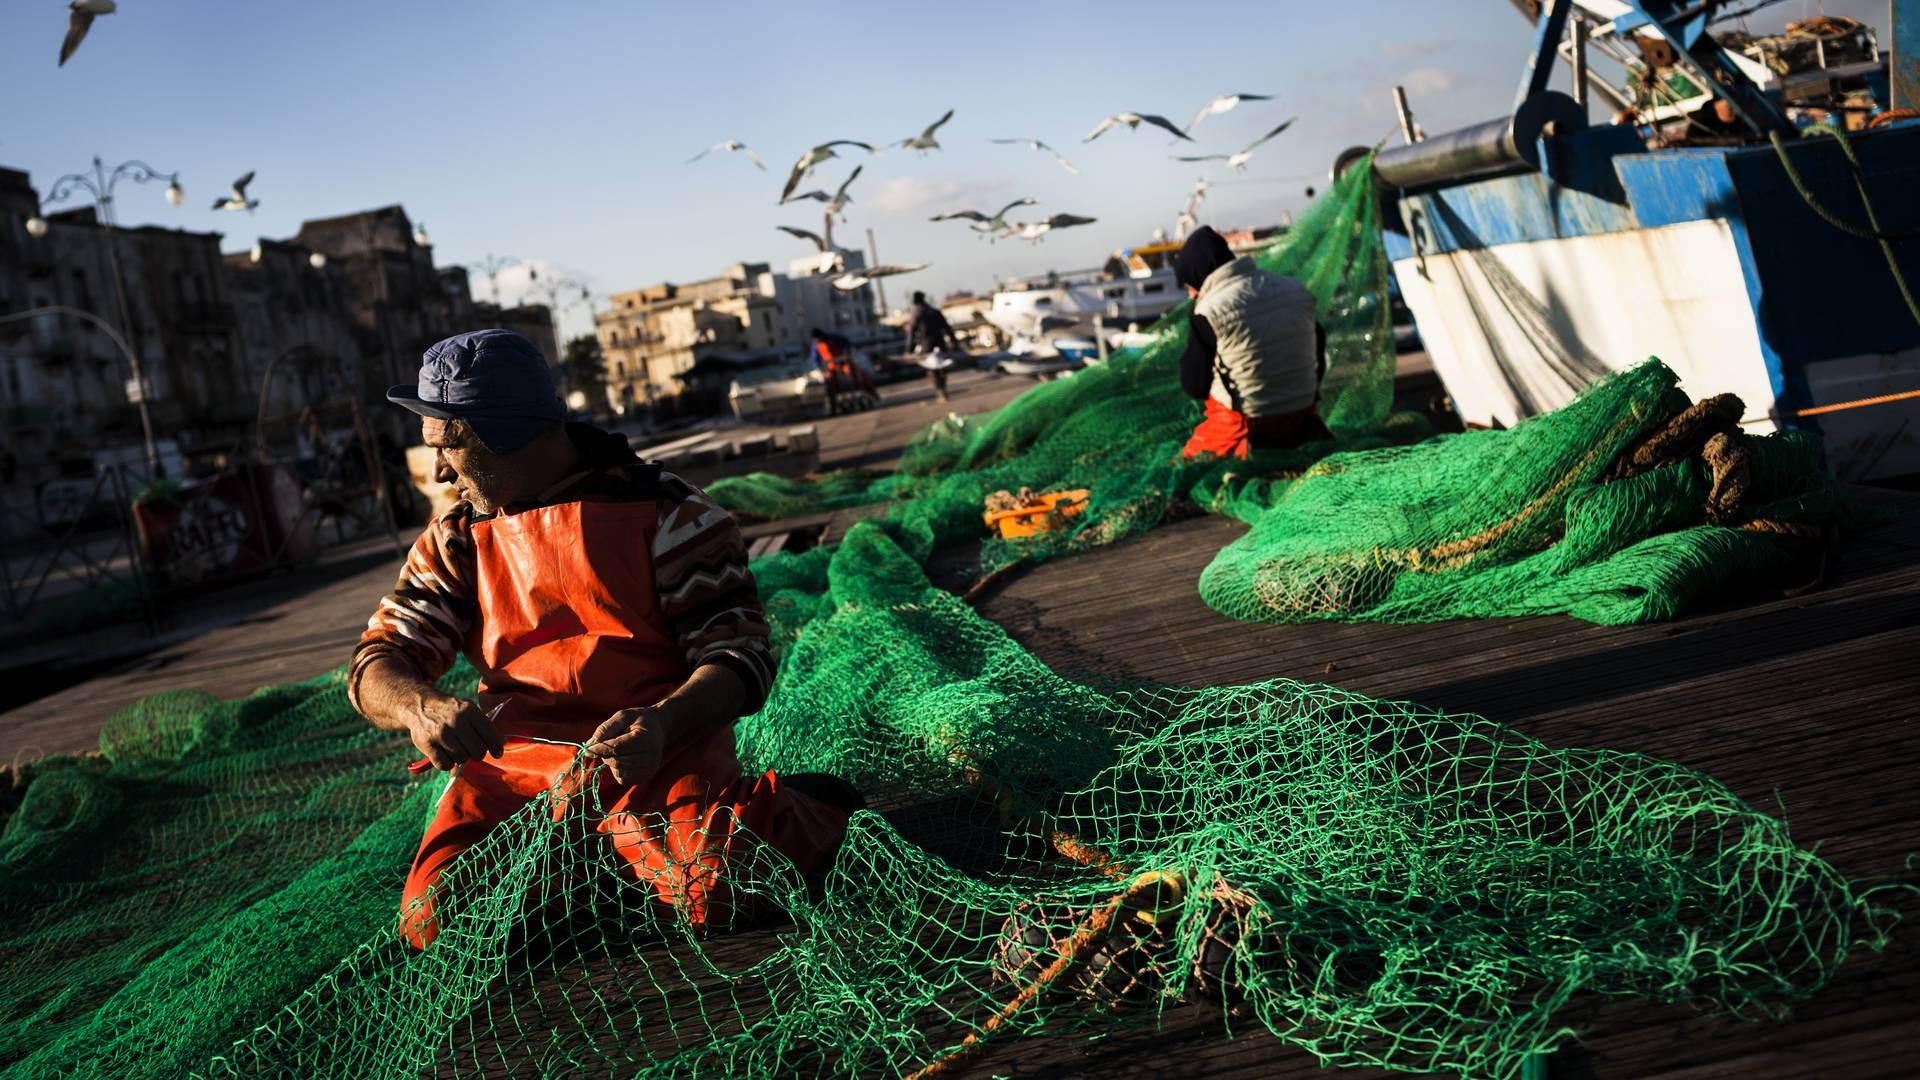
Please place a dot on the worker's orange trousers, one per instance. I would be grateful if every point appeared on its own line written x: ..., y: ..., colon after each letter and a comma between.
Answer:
x: 1226, y: 432
x: 686, y: 833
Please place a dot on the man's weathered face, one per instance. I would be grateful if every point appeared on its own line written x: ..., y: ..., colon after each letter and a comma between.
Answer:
x: 462, y: 460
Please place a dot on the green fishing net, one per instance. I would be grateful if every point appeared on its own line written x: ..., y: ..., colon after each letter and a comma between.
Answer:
x: 1369, y: 881
x: 1384, y: 522
x: 1115, y: 429
x: 216, y: 892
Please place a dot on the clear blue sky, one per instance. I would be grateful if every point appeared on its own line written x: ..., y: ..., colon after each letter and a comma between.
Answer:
x: 558, y: 131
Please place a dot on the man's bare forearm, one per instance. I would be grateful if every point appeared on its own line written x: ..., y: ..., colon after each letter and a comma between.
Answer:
x: 711, y: 698
x: 448, y: 730
x: 392, y: 693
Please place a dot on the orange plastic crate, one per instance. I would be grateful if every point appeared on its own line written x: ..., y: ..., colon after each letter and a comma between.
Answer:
x: 1034, y: 520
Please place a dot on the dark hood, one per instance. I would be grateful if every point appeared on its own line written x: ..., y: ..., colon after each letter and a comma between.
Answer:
x: 1204, y: 252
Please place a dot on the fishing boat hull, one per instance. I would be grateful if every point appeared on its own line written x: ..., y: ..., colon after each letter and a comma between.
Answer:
x: 1528, y: 287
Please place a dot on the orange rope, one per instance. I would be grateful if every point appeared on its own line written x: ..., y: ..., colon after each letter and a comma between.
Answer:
x: 1086, y: 938
x: 1841, y: 406
x: 1858, y: 404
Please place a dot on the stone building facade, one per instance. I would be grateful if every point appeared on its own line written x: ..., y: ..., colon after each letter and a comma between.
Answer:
x: 66, y: 388
x: 397, y: 302
x: 655, y: 339
x: 206, y: 327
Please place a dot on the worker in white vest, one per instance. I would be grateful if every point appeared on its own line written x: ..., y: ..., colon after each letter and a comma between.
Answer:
x: 1255, y: 354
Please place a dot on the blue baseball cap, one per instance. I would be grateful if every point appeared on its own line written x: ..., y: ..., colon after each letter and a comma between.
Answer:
x: 496, y: 381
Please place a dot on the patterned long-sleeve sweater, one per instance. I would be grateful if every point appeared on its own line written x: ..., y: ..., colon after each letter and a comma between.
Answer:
x: 704, y: 591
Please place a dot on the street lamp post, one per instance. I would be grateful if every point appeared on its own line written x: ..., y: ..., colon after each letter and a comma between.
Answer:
x: 491, y: 266
x: 100, y: 184
x: 576, y: 294
x: 552, y: 290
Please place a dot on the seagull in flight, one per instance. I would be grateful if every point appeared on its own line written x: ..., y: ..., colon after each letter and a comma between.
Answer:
x: 1223, y: 103
x: 1190, y: 213
x: 812, y: 158
x: 831, y: 258
x: 1036, y: 144
x: 732, y: 144
x: 925, y: 141
x: 982, y: 224
x: 1133, y: 121
x: 836, y: 202
x: 236, y: 198
x: 853, y: 279
x: 1034, y: 230
x: 80, y: 22
x: 1238, y: 161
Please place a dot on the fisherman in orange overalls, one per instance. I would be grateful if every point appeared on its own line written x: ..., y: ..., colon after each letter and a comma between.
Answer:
x: 1255, y: 353
x: 833, y: 355
x: 607, y: 605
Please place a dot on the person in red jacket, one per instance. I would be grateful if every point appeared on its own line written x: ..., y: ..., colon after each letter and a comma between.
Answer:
x: 833, y: 355
x: 608, y: 607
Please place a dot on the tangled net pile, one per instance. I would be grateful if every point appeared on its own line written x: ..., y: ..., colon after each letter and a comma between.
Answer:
x: 1627, y: 505
x: 215, y: 892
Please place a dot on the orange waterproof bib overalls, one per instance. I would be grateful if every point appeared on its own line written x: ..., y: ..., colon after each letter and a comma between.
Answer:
x: 570, y: 633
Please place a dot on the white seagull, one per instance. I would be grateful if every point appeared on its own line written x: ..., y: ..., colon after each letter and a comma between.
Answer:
x: 1133, y: 121
x: 982, y: 224
x: 812, y: 158
x: 853, y: 279
x: 838, y: 204
x: 1034, y: 230
x: 732, y: 144
x: 1190, y: 213
x: 80, y: 22
x: 831, y: 258
x: 1223, y: 103
x: 1239, y: 160
x: 236, y: 199
x: 1036, y: 144
x: 925, y: 141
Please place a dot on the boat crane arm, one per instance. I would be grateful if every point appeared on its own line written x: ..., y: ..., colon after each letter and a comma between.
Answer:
x: 1681, y: 25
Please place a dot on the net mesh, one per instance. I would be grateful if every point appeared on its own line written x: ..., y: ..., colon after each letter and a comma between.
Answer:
x: 216, y: 891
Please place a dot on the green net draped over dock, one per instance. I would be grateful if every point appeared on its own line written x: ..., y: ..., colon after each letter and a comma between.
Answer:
x: 1370, y: 881
x: 1555, y: 516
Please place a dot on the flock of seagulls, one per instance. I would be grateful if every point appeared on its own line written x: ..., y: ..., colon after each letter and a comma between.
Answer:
x: 81, y: 14
x: 992, y: 226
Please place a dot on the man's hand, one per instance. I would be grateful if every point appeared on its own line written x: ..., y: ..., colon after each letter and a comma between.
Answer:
x: 448, y: 730
x: 632, y: 742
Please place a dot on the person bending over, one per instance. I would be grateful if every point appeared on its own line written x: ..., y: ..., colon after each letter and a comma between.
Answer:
x: 1255, y: 354
x: 605, y: 602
